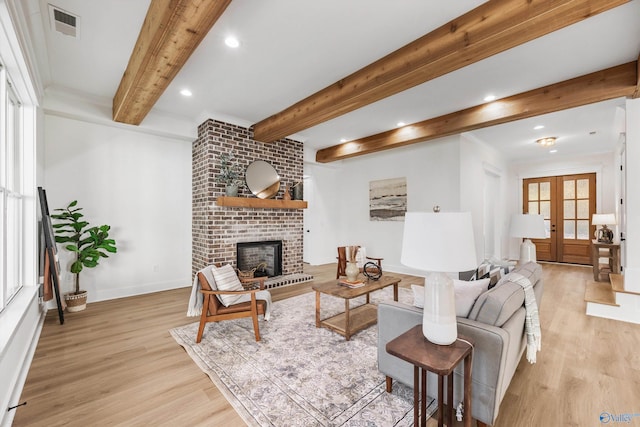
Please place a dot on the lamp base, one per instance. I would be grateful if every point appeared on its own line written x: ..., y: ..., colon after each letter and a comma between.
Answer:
x: 527, y: 252
x: 439, y: 324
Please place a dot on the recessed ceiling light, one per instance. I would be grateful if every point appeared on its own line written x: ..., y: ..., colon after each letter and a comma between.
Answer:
x: 489, y: 98
x: 593, y: 132
x: 547, y: 142
x: 232, y: 42
x: 185, y: 92
x: 553, y: 151
x: 538, y: 127
x: 400, y: 124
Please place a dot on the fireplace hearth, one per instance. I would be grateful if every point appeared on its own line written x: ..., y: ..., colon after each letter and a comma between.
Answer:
x: 265, y: 257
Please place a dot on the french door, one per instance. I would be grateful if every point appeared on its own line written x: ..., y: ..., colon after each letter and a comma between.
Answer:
x: 567, y: 204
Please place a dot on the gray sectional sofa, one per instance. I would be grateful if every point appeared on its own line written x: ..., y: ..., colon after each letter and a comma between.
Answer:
x: 495, y: 324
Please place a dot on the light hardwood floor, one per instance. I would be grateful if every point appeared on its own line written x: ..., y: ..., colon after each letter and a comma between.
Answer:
x: 115, y: 364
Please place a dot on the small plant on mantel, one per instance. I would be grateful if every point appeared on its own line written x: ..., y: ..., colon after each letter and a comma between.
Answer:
x: 229, y: 174
x: 87, y: 243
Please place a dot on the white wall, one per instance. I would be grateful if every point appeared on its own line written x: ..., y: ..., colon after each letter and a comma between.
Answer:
x: 632, y: 201
x: 481, y: 168
x: 340, y: 203
x: 322, y: 225
x: 140, y: 184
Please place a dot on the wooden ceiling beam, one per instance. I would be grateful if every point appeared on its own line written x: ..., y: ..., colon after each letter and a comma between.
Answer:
x: 491, y: 28
x: 636, y: 94
x: 606, y: 84
x: 170, y: 33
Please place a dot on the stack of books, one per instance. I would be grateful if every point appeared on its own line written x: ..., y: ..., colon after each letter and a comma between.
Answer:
x: 348, y: 284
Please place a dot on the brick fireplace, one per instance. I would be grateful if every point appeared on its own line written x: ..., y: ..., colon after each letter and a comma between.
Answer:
x: 217, y: 229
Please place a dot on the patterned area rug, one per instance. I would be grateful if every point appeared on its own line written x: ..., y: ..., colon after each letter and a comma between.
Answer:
x: 300, y: 375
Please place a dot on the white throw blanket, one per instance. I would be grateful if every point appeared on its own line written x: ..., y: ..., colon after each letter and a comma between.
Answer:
x: 532, y: 320
x: 197, y: 298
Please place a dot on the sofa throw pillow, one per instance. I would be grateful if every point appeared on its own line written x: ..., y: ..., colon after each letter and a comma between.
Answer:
x: 494, y: 275
x: 492, y: 269
x: 227, y: 280
x: 466, y: 294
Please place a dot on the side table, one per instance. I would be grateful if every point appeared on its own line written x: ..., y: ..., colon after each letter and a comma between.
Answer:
x: 425, y: 356
x: 611, y: 251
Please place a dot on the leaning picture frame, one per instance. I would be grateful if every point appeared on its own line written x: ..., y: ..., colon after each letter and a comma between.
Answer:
x: 51, y: 266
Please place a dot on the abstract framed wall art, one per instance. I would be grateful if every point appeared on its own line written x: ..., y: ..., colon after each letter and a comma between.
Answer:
x: 388, y: 199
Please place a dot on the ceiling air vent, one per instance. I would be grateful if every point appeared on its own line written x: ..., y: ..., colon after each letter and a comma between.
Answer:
x: 64, y: 22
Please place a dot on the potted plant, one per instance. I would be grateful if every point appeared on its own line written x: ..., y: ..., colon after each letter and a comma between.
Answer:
x: 88, y: 243
x: 229, y: 174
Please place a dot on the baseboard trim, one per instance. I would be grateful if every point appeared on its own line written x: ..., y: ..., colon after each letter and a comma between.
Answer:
x: 104, y: 295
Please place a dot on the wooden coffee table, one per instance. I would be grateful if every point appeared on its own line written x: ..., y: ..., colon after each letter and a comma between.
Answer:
x: 355, y: 319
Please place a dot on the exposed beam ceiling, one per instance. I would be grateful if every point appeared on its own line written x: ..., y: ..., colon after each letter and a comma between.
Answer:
x: 170, y: 33
x: 493, y: 27
x: 606, y: 84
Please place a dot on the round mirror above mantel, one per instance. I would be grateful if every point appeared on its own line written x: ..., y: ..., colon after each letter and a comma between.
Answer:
x: 262, y: 179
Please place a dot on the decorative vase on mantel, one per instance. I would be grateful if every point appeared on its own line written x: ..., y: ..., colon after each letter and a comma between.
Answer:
x: 352, y: 271
x: 231, y: 190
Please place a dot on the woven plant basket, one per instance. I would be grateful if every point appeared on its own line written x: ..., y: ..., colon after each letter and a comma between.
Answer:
x: 246, y: 274
x: 76, y: 302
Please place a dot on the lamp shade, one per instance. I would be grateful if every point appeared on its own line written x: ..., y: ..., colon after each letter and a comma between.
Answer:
x: 527, y: 226
x: 441, y: 241
x: 603, y: 219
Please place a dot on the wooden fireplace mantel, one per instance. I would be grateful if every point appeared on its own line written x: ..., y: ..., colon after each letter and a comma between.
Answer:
x: 251, y: 202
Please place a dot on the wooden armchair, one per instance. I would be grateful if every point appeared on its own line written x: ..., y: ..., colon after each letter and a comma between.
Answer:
x: 213, y: 310
x: 342, y: 261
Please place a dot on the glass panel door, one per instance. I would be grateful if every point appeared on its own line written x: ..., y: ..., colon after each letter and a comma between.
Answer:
x: 538, y: 195
x: 578, y: 205
x: 566, y: 204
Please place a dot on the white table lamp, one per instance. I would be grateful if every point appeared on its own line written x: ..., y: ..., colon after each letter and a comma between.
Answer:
x: 604, y: 234
x: 439, y: 243
x: 527, y: 227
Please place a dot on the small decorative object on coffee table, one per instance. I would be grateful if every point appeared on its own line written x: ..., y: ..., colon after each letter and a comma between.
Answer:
x: 372, y: 271
x: 358, y: 318
x: 425, y: 356
x: 352, y: 269
x: 352, y: 285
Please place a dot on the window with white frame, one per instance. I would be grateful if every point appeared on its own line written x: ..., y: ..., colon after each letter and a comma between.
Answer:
x: 11, y: 192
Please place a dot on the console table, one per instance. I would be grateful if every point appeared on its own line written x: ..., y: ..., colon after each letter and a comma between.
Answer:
x: 425, y: 356
x: 611, y: 251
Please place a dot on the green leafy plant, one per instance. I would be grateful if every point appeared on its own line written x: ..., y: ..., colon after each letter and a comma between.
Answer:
x: 88, y: 243
x: 229, y: 170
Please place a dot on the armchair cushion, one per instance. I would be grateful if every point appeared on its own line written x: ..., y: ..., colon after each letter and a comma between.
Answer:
x: 226, y: 279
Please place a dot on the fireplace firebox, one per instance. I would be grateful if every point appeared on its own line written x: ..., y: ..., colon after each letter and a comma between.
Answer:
x: 263, y: 257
